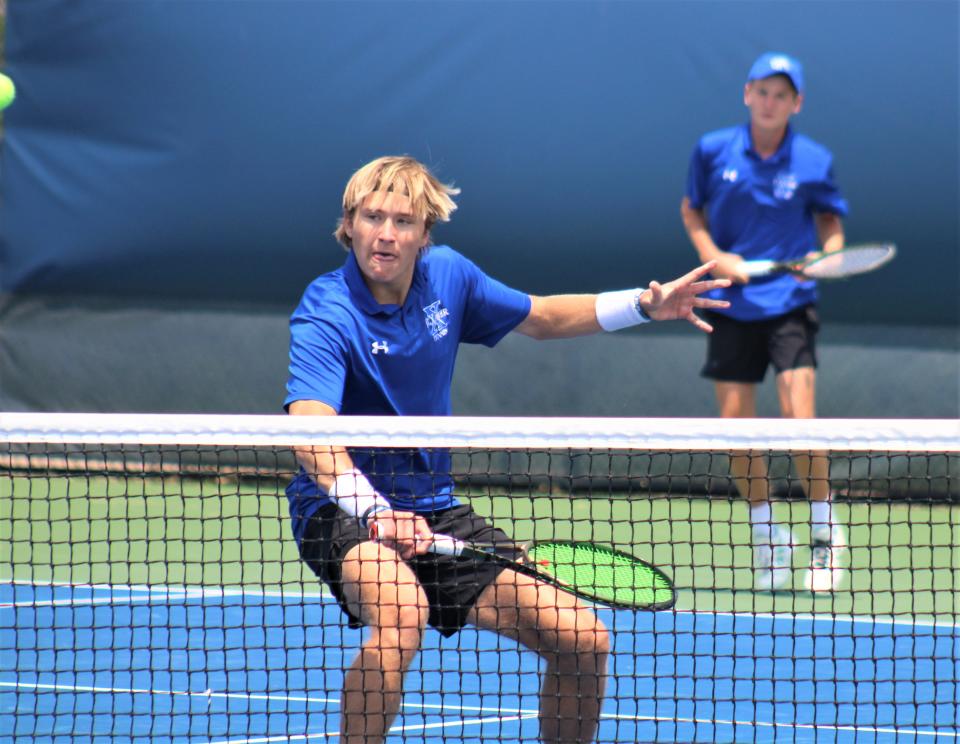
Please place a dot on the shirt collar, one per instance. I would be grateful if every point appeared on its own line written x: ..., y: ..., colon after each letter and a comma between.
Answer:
x: 782, y: 152
x: 361, y: 294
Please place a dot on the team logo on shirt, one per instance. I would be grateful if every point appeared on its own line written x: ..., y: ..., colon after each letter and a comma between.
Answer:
x: 437, y: 320
x: 784, y: 185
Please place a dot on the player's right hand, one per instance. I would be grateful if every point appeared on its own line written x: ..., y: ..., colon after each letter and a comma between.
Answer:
x: 406, y: 532
x: 730, y: 266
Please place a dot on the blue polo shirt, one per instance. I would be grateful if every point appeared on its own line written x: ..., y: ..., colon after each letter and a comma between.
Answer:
x: 763, y: 209
x: 364, y: 358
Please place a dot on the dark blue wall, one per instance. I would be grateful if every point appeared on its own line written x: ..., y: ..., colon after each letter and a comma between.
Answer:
x: 171, y: 173
x: 198, y: 150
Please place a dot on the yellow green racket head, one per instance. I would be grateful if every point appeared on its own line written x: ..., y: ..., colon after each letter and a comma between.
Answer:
x: 604, y: 574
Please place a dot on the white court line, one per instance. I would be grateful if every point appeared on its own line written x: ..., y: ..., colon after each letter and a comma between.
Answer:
x: 204, y: 592
x: 776, y: 725
x: 209, y: 694
x: 497, y: 715
x: 206, y: 694
x: 916, y: 733
x: 176, y: 589
x: 83, y: 602
x: 155, y: 592
x: 393, y: 730
x: 151, y: 593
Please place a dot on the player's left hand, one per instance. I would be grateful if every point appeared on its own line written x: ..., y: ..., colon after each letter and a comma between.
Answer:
x: 406, y: 532
x: 677, y: 300
x: 810, y: 257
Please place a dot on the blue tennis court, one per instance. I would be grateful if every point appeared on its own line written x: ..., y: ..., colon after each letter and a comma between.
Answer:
x: 181, y: 664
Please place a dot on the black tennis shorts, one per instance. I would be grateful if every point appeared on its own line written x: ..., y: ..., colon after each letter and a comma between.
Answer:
x: 741, y: 351
x: 451, y: 585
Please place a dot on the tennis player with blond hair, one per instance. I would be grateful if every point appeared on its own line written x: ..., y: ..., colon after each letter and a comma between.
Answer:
x: 379, y: 336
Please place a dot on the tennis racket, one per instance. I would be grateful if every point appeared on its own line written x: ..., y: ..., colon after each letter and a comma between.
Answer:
x: 593, y: 572
x: 856, y: 259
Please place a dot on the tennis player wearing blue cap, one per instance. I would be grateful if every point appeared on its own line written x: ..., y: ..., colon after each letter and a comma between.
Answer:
x: 763, y: 191
x: 379, y: 336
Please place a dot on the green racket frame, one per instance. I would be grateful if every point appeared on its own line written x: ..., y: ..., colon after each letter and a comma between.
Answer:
x: 609, y: 576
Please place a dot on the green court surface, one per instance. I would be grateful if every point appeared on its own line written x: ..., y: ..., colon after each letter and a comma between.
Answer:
x: 224, y: 532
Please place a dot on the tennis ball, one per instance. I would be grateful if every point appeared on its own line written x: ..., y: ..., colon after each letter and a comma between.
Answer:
x: 7, y: 91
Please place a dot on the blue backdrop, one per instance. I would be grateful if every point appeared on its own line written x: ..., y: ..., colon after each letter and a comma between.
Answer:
x: 181, y: 156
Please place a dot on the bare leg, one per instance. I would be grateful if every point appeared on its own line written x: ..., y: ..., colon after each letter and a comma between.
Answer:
x: 382, y: 591
x: 772, y: 544
x: 796, y: 389
x: 749, y: 469
x: 568, y: 636
x: 828, y: 551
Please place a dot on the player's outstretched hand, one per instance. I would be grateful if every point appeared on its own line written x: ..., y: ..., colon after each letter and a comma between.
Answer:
x: 677, y: 300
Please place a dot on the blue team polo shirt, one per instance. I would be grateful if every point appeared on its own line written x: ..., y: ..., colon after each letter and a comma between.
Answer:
x: 364, y: 358
x: 763, y: 209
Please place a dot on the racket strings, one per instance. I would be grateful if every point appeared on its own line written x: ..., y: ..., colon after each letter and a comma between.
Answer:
x: 848, y: 262
x: 603, y: 573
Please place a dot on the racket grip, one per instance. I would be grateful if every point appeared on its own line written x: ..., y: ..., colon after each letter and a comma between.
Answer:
x: 447, y: 545
x: 441, y: 545
x: 758, y: 268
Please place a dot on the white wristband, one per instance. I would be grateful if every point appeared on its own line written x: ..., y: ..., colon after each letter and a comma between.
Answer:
x: 616, y: 310
x: 356, y: 495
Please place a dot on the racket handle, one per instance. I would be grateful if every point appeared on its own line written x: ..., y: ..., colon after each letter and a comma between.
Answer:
x: 758, y: 268
x: 441, y: 545
x: 447, y: 545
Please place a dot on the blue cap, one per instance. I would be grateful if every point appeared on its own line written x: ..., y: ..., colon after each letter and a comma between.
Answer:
x: 774, y: 63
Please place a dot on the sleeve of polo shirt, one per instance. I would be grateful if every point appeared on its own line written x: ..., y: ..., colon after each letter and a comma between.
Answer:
x: 491, y: 308
x: 318, y: 362
x: 697, y: 177
x: 826, y: 196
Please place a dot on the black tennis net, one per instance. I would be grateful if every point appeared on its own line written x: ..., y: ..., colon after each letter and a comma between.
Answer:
x: 151, y: 588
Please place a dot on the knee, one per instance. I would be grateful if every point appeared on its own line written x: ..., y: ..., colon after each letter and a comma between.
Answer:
x: 583, y: 645
x: 411, y: 623
x: 595, y: 642
x: 400, y: 638
x: 402, y: 615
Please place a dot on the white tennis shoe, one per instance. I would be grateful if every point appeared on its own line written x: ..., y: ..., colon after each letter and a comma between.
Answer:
x: 773, y: 560
x: 827, y: 558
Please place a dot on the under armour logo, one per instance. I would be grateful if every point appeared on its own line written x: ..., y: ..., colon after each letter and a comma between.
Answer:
x: 729, y: 174
x: 377, y: 346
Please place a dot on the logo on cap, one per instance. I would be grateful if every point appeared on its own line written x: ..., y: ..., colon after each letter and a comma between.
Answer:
x: 780, y: 64
x: 776, y: 63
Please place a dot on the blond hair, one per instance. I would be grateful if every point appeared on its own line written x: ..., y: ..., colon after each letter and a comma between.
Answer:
x: 401, y: 174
